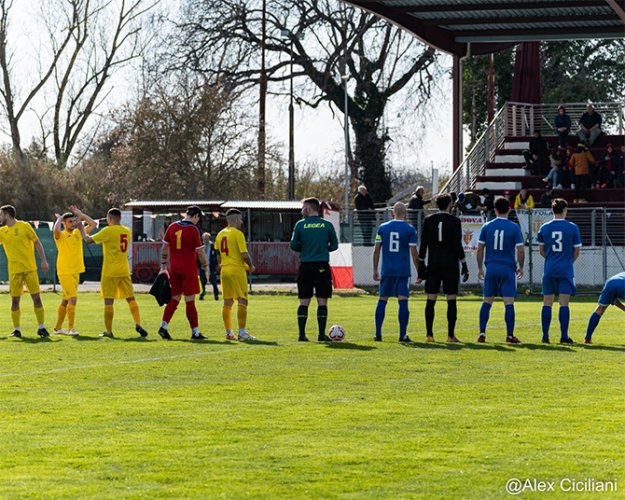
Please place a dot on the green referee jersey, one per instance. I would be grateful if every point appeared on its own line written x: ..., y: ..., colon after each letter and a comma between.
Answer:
x: 314, y: 238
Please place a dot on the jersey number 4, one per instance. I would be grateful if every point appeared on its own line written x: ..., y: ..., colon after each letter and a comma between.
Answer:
x: 223, y: 247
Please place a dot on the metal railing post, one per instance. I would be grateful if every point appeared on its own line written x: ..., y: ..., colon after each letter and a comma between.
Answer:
x: 530, y: 261
x: 593, y: 228
x: 604, y: 241
x: 620, y: 119
x: 514, y: 120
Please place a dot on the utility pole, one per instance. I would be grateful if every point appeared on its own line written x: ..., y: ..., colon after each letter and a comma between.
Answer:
x: 262, y: 103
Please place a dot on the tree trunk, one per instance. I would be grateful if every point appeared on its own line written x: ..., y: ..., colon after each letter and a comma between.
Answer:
x: 369, y: 156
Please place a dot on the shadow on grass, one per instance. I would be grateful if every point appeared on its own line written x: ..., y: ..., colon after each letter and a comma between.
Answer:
x: 599, y: 347
x: 82, y: 338
x: 35, y: 340
x: 546, y: 347
x: 348, y: 346
x: 139, y: 339
x: 257, y: 342
x: 435, y: 345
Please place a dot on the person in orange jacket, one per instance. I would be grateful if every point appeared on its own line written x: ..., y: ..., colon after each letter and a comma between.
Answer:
x: 581, y: 161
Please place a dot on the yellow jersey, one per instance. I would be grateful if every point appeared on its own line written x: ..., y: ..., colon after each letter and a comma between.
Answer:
x: 18, y: 242
x: 230, y: 243
x: 115, y: 244
x: 70, y: 258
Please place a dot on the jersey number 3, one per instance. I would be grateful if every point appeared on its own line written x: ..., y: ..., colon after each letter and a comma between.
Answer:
x: 557, y: 241
x: 223, y: 247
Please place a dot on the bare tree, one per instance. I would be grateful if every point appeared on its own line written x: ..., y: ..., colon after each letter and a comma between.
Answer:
x: 88, y: 40
x: 223, y: 39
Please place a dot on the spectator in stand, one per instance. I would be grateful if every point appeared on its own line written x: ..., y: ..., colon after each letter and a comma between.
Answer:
x: 589, y: 126
x: 580, y: 163
x: 562, y: 125
x: 508, y: 196
x: 619, y: 168
x: 488, y: 203
x: 554, y: 177
x: 547, y: 197
x: 606, y: 173
x: 523, y: 200
x: 568, y: 176
x: 536, y: 155
x: 365, y: 210
x: 416, y: 203
x: 469, y: 203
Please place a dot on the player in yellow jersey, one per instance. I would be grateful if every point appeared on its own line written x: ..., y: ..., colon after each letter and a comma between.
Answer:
x: 115, y: 282
x: 19, y: 240
x: 69, y: 264
x: 233, y: 262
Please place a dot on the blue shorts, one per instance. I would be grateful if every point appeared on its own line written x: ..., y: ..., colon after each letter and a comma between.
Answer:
x: 558, y: 286
x: 393, y: 286
x: 612, y: 290
x: 499, y: 281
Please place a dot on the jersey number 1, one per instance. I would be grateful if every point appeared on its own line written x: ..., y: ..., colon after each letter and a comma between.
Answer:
x: 178, y: 239
x: 223, y: 247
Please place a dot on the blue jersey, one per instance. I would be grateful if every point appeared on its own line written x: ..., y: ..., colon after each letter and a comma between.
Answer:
x: 396, y: 238
x: 613, y: 289
x: 559, y: 237
x: 500, y: 238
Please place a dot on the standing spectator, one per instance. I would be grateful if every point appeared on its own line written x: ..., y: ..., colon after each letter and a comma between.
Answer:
x: 619, y: 168
x: 313, y: 238
x: 523, y: 200
x: 580, y: 164
x: 469, y: 203
x: 416, y: 203
x: 560, y: 244
x: 606, y: 173
x: 562, y: 125
x: 233, y: 263
x: 536, y: 155
x: 441, y: 242
x: 589, y: 126
x: 396, y: 240
x: 500, y: 248
x: 554, y: 177
x: 488, y: 203
x: 211, y: 257
x: 182, y: 246
x: 365, y: 209
x: 547, y: 197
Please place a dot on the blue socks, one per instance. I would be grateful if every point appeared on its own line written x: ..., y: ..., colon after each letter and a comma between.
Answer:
x: 484, y: 315
x: 509, y: 317
x: 545, y: 317
x: 564, y: 315
x: 380, y: 312
x: 592, y: 324
x: 403, y: 315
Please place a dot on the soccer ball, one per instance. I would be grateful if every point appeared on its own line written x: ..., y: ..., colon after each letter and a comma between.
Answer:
x: 336, y: 333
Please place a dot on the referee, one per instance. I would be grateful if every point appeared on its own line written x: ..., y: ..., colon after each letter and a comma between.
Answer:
x: 313, y: 238
x: 441, y: 241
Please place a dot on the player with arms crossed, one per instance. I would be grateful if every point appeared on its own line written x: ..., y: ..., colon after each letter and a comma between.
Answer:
x: 500, y: 239
x: 69, y: 264
x: 183, y: 245
x: 233, y: 263
x: 560, y: 244
x: 613, y: 294
x: 115, y: 282
x: 313, y: 238
x: 19, y: 241
x: 441, y: 241
x: 397, y: 241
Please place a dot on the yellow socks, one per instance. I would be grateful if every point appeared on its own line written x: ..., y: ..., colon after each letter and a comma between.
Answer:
x: 226, y: 312
x: 15, y: 316
x: 242, y: 316
x: 71, y: 315
x: 134, y: 310
x: 108, y: 318
x: 39, y: 314
x: 60, y: 317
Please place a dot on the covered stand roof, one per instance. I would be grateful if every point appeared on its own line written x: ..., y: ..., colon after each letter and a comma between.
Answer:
x: 463, y: 27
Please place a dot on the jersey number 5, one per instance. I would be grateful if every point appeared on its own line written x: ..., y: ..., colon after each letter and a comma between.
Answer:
x: 123, y: 243
x: 223, y: 247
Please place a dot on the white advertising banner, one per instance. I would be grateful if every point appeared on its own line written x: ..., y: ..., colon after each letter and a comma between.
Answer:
x: 471, y: 227
x: 538, y: 218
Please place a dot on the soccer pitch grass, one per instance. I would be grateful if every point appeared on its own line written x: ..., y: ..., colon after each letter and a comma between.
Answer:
x: 130, y: 417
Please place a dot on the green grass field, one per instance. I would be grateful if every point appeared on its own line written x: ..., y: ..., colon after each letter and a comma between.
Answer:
x: 126, y: 417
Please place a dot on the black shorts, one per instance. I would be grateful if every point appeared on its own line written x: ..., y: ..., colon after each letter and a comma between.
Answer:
x: 450, y: 278
x: 314, y: 276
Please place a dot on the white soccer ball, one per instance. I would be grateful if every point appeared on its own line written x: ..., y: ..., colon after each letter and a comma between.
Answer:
x: 336, y: 333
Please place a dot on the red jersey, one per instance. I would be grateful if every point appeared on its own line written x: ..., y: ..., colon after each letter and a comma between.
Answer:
x: 184, y: 239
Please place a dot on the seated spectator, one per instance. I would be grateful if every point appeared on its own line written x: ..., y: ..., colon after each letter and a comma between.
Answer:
x: 508, y: 196
x: 488, y: 203
x: 580, y: 164
x: 554, y: 177
x: 589, y: 126
x: 536, y: 155
x: 606, y: 173
x: 547, y: 197
x: 469, y: 203
x: 562, y: 125
x: 568, y: 176
x: 619, y: 168
x: 523, y: 200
